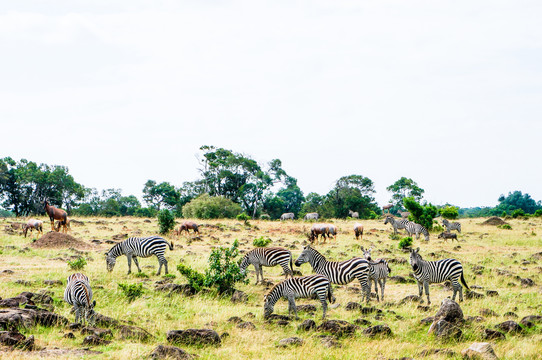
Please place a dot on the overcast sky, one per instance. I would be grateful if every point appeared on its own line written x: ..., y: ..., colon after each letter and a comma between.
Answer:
x: 447, y: 93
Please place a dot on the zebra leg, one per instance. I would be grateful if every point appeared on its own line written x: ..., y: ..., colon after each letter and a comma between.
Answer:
x: 382, y: 286
x: 376, y: 289
x: 323, y: 300
x: 420, y: 289
x: 291, y: 306
x: 286, y: 270
x: 136, y: 262
x: 257, y: 267
x: 426, y: 286
x: 77, y: 313
x: 261, y: 273
x: 129, y: 257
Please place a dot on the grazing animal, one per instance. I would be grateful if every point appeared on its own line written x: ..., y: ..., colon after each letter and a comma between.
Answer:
x: 260, y: 257
x: 62, y: 223
x: 311, y: 216
x: 381, y: 270
x: 139, y: 247
x: 447, y: 235
x: 318, y: 230
x: 78, y: 293
x: 188, y: 225
x: 358, y: 231
x: 451, y: 226
x: 413, y: 228
x: 338, y: 272
x: 331, y: 231
x: 287, y: 216
x: 353, y: 214
x: 431, y: 272
x: 56, y: 214
x: 387, y: 207
x: 304, y: 286
x: 33, y: 224
x: 397, y: 224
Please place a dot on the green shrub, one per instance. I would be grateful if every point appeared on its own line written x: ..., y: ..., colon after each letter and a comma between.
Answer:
x: 538, y: 213
x: 265, y: 217
x: 211, y: 207
x: 517, y: 213
x: 77, y: 264
x: 243, y: 217
x: 169, y: 276
x: 449, y: 212
x: 196, y: 280
x: 261, y: 242
x: 504, y: 214
x: 145, y: 212
x: 131, y: 291
x: 141, y: 275
x: 505, y: 226
x: 405, y: 242
x: 166, y: 221
x: 420, y: 214
x: 437, y: 227
x: 394, y: 236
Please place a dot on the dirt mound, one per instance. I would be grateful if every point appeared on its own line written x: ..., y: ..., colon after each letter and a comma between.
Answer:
x: 60, y: 240
x: 494, y: 221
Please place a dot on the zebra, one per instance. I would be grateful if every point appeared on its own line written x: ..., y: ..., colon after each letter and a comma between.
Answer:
x: 430, y: 272
x: 78, y: 293
x: 451, y: 226
x: 142, y: 247
x: 353, y: 214
x: 338, y: 272
x: 287, y: 216
x: 260, y: 257
x: 381, y: 271
x: 413, y: 228
x: 397, y: 224
x: 304, y: 286
x: 311, y: 216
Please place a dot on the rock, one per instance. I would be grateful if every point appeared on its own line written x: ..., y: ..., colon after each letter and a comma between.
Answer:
x: 492, y: 293
x: 306, y: 308
x: 352, y: 306
x: 235, y: 320
x: 378, y: 330
x: 450, y: 311
x: 11, y: 338
x: 290, y: 341
x: 134, y: 332
x: 99, y: 332
x: 370, y: 310
x: 401, y: 279
x: 444, y: 352
x: 488, y: 312
x: 479, y: 351
x: 170, y: 352
x: 339, y: 328
x: 362, y: 322
x: 16, y: 318
x: 444, y: 329
x: 52, y: 282
x: 527, y: 282
x: 427, y: 320
x: 471, y: 319
x: 239, y: 297
x: 531, y: 320
x: 282, y: 323
x: 423, y: 308
x: 410, y: 298
x: 307, y: 325
x: 511, y: 314
x: 474, y: 295
x: 490, y: 334
x: 106, y: 321
x: 75, y: 326
x: 224, y: 335
x: 246, y: 325
x: 93, y: 340
x: 273, y: 317
x: 183, y: 289
x: 509, y: 326
x: 194, y: 337
x: 329, y: 341
x: 69, y: 335
x: 28, y: 344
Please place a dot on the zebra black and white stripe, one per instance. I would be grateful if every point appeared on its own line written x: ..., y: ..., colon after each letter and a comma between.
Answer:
x: 380, y: 269
x: 78, y: 293
x: 338, y: 272
x: 413, y: 228
x: 139, y: 247
x: 260, y: 257
x: 430, y: 272
x: 304, y: 286
x: 397, y: 224
x: 451, y: 226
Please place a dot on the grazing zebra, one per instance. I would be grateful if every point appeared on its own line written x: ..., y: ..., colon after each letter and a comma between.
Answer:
x: 142, y: 247
x: 78, y: 293
x: 413, y: 228
x: 304, y: 286
x: 287, y: 216
x: 353, y: 214
x: 451, y: 226
x: 311, y: 216
x: 397, y: 224
x: 261, y: 257
x: 358, y: 231
x: 338, y: 272
x: 381, y: 271
x: 431, y: 272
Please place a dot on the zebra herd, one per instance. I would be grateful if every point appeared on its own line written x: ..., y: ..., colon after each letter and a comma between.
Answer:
x: 409, y: 226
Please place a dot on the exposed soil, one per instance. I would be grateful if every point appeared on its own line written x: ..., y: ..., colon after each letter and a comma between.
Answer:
x: 60, y: 240
x: 494, y: 221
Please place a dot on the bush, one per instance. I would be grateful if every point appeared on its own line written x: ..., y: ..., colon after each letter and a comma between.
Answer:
x: 166, y: 221
x: 141, y: 275
x: 131, y: 291
x: 261, y: 242
x: 437, y: 227
x: 405, y: 242
x: 196, y: 280
x: 517, y: 213
x: 243, y: 217
x: 77, y: 264
x: 211, y: 207
x: 505, y: 226
x: 394, y: 236
x: 265, y: 217
x: 449, y: 212
x: 422, y: 215
x: 538, y: 213
x: 504, y: 214
x: 145, y: 212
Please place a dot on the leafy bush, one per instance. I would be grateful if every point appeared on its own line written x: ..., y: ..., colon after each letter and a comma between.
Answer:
x: 505, y: 226
x: 141, y: 275
x: 131, y: 291
x: 538, y: 213
x: 394, y: 236
x: 405, y: 242
x: 145, y: 212
x: 243, y: 217
x: 77, y: 264
x: 517, y: 213
x: 265, y: 217
x: 166, y: 221
x: 504, y: 214
x: 196, y: 280
x: 169, y: 276
x: 261, y: 242
x: 211, y: 207
x: 437, y: 227
x: 421, y: 214
x: 449, y: 212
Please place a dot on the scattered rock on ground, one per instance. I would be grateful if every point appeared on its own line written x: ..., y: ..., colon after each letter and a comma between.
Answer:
x: 362, y: 322
x: 239, y: 296
x: 306, y: 308
x: 444, y: 329
x: 410, y: 298
x: 490, y: 334
x: 474, y: 295
x: 450, y: 311
x: 531, y: 320
x: 246, y: 325
x: 307, y: 325
x: 378, y: 330
x: 134, y: 332
x: 509, y: 326
x: 170, y: 352
x: 102, y: 333
x: 194, y: 337
x: 329, y: 341
x: 430, y: 352
x: 492, y: 293
x: 494, y: 220
x: 93, y: 340
x: 290, y: 341
x: 488, y: 312
x: 479, y: 351
x: 338, y: 328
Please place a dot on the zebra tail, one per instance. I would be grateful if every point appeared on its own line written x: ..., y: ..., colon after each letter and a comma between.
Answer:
x: 170, y: 245
x: 463, y: 281
x: 330, y: 297
x: 292, y: 265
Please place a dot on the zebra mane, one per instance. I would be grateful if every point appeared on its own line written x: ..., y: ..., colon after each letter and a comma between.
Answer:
x: 115, y: 251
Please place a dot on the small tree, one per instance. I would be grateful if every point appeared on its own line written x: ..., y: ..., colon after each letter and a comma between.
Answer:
x: 405, y: 242
x: 244, y: 217
x: 223, y: 271
x: 166, y: 221
x: 421, y: 214
x: 449, y: 212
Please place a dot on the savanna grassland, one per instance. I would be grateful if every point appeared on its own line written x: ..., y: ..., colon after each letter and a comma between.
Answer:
x: 502, y: 258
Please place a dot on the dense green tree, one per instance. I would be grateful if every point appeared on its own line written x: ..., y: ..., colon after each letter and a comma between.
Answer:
x: 354, y: 192
x: 274, y: 206
x: 160, y: 195
x: 516, y: 200
x: 404, y: 187
x: 313, y: 203
x: 420, y: 214
x: 211, y: 207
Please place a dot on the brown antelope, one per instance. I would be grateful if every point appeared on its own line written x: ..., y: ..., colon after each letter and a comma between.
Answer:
x: 188, y: 225
x: 62, y: 223
x: 316, y: 230
x: 387, y: 207
x: 33, y: 224
x: 358, y: 231
x: 56, y: 214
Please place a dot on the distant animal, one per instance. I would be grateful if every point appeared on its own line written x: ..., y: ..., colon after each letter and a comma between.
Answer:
x: 186, y: 226
x: 417, y: 229
x: 56, y: 214
x: 353, y: 214
x: 331, y: 230
x: 260, y: 257
x: 62, y: 223
x: 33, y: 224
x: 397, y: 224
x: 387, y: 208
x: 447, y: 235
x: 287, y: 216
x: 78, y: 293
x: 338, y: 272
x: 318, y: 230
x: 380, y: 272
x: 451, y: 226
x: 431, y: 272
x: 311, y: 216
x: 304, y: 287
x: 139, y: 247
x: 358, y: 231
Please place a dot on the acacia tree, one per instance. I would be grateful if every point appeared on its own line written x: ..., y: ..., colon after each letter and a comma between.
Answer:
x: 402, y: 188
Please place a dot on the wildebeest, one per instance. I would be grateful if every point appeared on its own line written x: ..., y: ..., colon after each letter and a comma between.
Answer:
x: 56, y: 214
x: 287, y: 216
x: 447, y: 235
x: 33, y: 224
x: 331, y: 230
x: 188, y: 225
x: 358, y: 231
x: 318, y: 230
x: 353, y: 214
x: 311, y: 216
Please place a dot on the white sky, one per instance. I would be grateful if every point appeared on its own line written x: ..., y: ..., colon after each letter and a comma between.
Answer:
x: 447, y: 93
